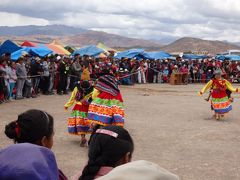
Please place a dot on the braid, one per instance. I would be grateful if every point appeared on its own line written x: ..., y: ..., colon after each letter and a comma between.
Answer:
x: 95, y: 162
x: 92, y: 168
x: 105, y: 150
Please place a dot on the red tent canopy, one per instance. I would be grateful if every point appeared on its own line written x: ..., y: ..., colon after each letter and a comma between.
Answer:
x: 29, y: 44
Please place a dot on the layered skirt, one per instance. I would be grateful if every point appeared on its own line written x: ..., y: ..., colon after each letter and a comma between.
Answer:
x: 220, y: 102
x: 106, y: 109
x: 77, y: 122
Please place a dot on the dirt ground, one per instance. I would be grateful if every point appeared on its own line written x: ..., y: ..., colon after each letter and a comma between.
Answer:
x: 170, y: 125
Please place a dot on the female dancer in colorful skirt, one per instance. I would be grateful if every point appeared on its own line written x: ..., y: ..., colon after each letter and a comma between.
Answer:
x: 220, y: 100
x: 106, y: 107
x: 81, y: 97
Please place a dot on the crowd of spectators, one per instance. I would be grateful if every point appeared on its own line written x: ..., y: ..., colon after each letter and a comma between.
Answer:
x: 29, y: 76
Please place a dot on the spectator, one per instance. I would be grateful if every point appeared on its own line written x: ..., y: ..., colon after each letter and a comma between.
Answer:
x: 52, y: 71
x: 21, y: 78
x: 5, y: 72
x: 12, y: 78
x: 27, y: 92
x: 110, y: 147
x: 2, y: 85
x: 75, y: 72
x: 85, y: 74
x: 33, y: 126
x: 46, y: 76
x: 63, y: 77
x: 36, y: 71
x: 140, y: 170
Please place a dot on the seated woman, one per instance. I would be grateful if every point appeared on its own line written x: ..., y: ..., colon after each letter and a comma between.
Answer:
x: 140, y: 170
x: 111, y: 146
x: 35, y: 127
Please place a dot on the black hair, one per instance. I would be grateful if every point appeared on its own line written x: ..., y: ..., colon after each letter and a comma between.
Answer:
x: 105, y: 150
x: 30, y: 127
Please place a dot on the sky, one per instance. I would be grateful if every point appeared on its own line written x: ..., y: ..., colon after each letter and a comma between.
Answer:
x: 147, y: 19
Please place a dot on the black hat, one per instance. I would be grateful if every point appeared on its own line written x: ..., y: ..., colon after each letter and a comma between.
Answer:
x: 85, y: 85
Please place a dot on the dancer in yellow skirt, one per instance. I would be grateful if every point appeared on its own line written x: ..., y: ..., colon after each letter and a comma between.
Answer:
x: 220, y: 100
x: 80, y: 98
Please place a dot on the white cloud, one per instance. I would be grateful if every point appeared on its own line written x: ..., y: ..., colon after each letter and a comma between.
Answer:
x: 154, y: 19
x: 11, y: 19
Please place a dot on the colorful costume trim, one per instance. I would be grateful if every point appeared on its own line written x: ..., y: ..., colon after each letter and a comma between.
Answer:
x: 77, y: 122
x: 106, y: 109
x: 220, y: 102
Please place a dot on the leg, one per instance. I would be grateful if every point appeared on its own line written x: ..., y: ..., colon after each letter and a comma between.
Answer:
x: 11, y: 89
x: 19, y: 88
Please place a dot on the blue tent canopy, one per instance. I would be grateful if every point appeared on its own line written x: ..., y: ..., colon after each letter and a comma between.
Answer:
x: 220, y: 57
x: 36, y: 51
x: 89, y: 50
x: 15, y: 55
x: 194, y: 56
x: 40, y: 51
x: 8, y: 47
x: 131, y: 53
x: 233, y: 57
x: 156, y: 55
x: 228, y: 57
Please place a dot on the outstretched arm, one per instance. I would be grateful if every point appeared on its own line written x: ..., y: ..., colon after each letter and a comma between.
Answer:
x: 206, y: 87
x: 230, y: 87
x: 71, y: 99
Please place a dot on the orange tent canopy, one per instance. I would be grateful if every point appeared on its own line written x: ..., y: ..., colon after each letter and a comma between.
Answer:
x: 58, y: 49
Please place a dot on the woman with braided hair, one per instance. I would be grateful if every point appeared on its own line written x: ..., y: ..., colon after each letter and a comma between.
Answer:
x: 106, y: 107
x: 80, y: 98
x: 34, y: 127
x: 219, y: 94
x: 111, y: 146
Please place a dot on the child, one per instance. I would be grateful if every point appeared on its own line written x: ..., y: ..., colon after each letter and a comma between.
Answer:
x: 110, y: 147
x: 77, y: 123
x: 35, y: 127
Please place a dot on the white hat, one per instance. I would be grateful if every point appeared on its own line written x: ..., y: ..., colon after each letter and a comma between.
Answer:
x: 24, y: 53
x: 140, y: 170
x: 58, y: 57
x: 37, y: 59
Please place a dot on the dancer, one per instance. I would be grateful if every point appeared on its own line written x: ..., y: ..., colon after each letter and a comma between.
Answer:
x: 220, y: 101
x: 81, y: 96
x: 106, y: 107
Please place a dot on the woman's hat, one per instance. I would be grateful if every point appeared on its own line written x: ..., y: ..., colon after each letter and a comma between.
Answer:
x: 85, y: 85
x: 140, y: 170
x: 218, y: 72
x: 27, y: 161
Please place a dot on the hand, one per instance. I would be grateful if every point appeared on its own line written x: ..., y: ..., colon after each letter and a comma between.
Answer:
x: 200, y: 93
x: 66, y: 108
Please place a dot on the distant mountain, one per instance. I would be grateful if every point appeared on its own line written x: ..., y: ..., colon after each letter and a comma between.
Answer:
x: 72, y: 36
x: 81, y: 37
x: 189, y: 44
x: 50, y: 30
x: 111, y: 40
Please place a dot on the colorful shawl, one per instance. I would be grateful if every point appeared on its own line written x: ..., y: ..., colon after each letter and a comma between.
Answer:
x: 108, y: 84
